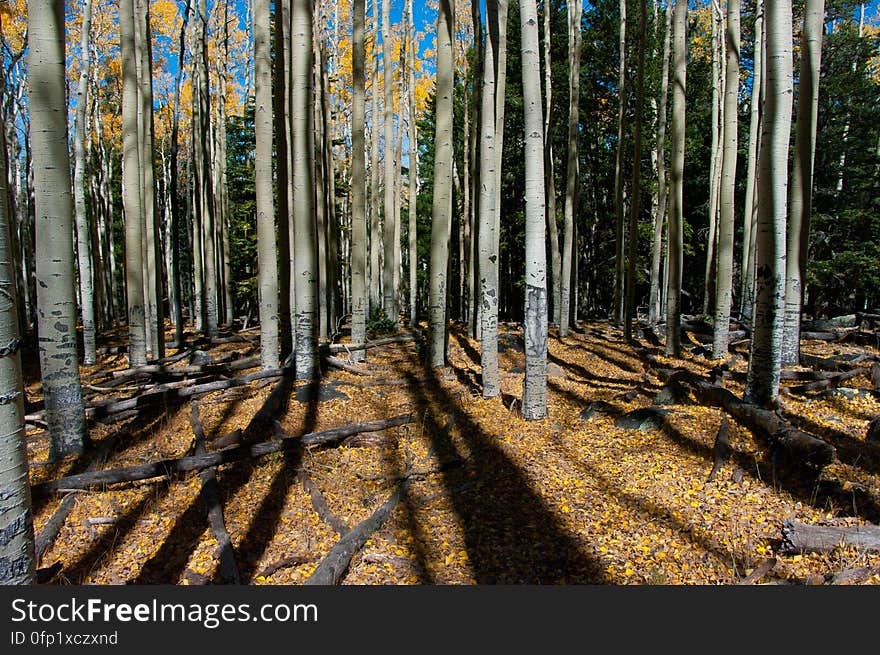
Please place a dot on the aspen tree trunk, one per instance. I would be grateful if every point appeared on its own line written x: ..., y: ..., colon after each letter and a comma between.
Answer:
x: 146, y: 206
x: 83, y: 233
x: 281, y: 106
x: 16, y: 520
x: 442, y: 205
x: 801, y: 189
x: 222, y: 193
x: 618, y: 171
x: 413, y: 171
x: 267, y: 250
x: 473, y: 220
x: 715, y: 156
x: 56, y: 296
x: 550, y: 175
x: 389, y: 294
x: 762, y: 384
x: 534, y: 401
x: 153, y: 283
x: 486, y: 232
x: 375, y: 225
x: 305, y: 248
x: 575, y: 10
x: 730, y: 144
x: 398, y: 190
x: 655, y: 298
x: 205, y: 192
x: 747, y: 293
x: 676, y: 177
x: 359, y: 304
x: 464, y: 225
x: 318, y: 138
x: 175, y: 192
x: 635, y: 206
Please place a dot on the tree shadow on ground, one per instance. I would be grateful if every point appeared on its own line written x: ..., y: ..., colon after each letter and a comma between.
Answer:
x: 511, y: 535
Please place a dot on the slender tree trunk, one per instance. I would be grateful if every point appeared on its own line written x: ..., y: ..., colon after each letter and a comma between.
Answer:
x: 618, y: 172
x: 305, y: 260
x: 56, y: 295
x: 730, y: 144
x: 801, y: 188
x: 488, y: 253
x: 550, y: 177
x: 635, y: 206
x: 205, y: 191
x: 83, y: 233
x: 762, y: 384
x: 534, y: 402
x: 715, y: 155
x: 676, y: 177
x: 267, y: 250
x: 175, y: 192
x: 441, y: 211
x: 389, y: 303
x: 375, y: 225
x: 575, y: 10
x: 359, y: 302
x: 655, y: 299
x: 17, y: 563
x: 413, y: 172
x: 747, y: 293
x: 281, y: 105
x: 473, y: 220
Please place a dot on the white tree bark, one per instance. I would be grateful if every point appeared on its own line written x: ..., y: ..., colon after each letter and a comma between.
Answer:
x: 747, y: 283
x: 575, y: 10
x: 441, y: 224
x: 762, y: 385
x: 534, y: 401
x: 730, y: 144
x: 305, y: 248
x: 83, y: 233
x: 16, y: 520
x: 655, y: 298
x: 676, y: 178
x: 266, y: 244
x: 358, y: 184
x: 487, y: 238
x: 801, y: 196
x: 389, y: 292
x: 56, y: 295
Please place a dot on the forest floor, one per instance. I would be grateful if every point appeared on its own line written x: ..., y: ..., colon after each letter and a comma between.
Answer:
x: 489, y: 497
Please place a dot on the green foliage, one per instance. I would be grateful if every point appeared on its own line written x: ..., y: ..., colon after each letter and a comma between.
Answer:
x: 379, y: 324
x: 240, y: 143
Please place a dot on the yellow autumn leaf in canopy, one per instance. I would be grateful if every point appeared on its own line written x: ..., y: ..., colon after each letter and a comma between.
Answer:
x: 13, y: 23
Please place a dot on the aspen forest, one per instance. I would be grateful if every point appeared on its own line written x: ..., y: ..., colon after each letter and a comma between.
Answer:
x: 440, y: 292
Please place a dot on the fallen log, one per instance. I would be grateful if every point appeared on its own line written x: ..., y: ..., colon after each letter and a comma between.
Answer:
x: 213, y: 368
x: 802, y: 537
x: 293, y: 560
x: 803, y: 447
x: 336, y: 562
x: 53, y: 526
x: 829, y: 382
x: 855, y: 575
x: 228, y: 568
x: 172, y: 466
x: 343, y: 365
x: 319, y: 504
x: 349, y: 347
x: 760, y: 571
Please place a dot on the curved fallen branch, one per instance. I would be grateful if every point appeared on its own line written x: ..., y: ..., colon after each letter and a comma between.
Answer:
x: 168, y: 467
x: 336, y: 562
x: 228, y: 568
